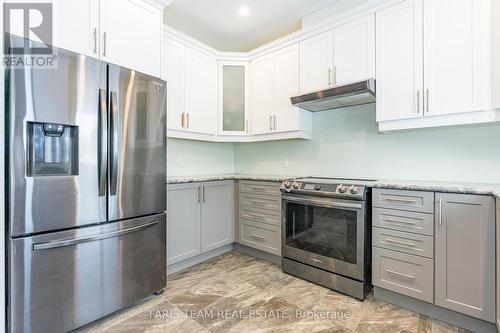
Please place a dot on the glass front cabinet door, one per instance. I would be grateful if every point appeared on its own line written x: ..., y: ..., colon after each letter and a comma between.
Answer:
x: 233, y: 98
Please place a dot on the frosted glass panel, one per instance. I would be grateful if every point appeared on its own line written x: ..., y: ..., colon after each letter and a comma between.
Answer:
x: 234, y: 98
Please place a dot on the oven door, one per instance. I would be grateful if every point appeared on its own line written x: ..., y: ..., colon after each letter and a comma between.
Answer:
x: 326, y: 233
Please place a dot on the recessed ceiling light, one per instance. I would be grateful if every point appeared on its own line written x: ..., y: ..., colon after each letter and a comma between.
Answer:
x: 244, y: 11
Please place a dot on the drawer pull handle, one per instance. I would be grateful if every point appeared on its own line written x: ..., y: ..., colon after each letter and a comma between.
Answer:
x: 316, y: 260
x: 393, y: 241
x: 400, y: 221
x: 407, y: 201
x: 411, y: 277
x: 258, y: 237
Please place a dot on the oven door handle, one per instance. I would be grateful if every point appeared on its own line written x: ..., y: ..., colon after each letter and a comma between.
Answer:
x: 322, y: 202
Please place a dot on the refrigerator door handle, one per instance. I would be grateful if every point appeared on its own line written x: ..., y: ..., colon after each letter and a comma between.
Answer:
x: 102, y: 163
x: 113, y: 145
x: 69, y: 242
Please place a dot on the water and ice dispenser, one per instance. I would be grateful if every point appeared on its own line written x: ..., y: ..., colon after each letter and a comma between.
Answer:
x: 52, y: 149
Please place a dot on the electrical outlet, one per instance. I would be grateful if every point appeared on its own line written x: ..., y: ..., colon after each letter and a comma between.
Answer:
x: 285, y: 163
x: 180, y: 163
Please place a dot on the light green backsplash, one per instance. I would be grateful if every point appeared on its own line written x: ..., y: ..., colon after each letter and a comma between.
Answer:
x: 346, y: 143
x: 198, y: 158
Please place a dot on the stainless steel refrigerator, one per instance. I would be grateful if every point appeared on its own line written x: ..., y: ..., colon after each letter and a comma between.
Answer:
x: 86, y: 192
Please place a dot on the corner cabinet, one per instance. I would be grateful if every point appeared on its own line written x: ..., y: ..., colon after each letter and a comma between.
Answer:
x: 200, y: 218
x: 233, y: 98
x: 432, y: 71
x: 465, y: 254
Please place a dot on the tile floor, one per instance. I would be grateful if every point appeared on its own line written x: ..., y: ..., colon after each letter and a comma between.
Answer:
x: 239, y: 293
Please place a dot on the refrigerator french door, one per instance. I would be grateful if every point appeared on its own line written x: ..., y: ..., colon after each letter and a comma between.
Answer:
x: 86, y: 199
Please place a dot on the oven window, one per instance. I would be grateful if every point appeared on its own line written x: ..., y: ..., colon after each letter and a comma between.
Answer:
x: 330, y: 232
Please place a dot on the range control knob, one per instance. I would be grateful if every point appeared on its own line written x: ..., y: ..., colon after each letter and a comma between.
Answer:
x: 317, y: 187
x: 288, y: 184
x: 354, y: 189
x: 296, y: 186
x: 341, y: 188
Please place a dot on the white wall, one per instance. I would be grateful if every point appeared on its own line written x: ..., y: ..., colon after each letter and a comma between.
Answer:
x: 186, y: 157
x: 346, y: 143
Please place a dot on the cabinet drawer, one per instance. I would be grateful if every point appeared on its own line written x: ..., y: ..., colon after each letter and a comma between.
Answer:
x: 261, y: 202
x: 261, y: 236
x: 419, y: 245
x: 403, y: 273
x: 269, y: 217
x: 420, y: 223
x: 255, y: 187
x: 415, y: 201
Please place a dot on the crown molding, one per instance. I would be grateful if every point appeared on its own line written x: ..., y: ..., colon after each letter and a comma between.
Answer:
x: 160, y: 4
x: 357, y: 12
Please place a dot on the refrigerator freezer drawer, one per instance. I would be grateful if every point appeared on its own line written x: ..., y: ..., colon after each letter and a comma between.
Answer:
x: 65, y: 280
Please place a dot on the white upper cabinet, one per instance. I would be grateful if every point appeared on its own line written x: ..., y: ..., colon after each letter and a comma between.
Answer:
x: 399, y: 61
x: 233, y: 98
x: 76, y: 26
x: 434, y: 64
x: 200, y: 92
x: 131, y: 35
x: 174, y: 75
x: 286, y: 84
x: 354, y: 51
x: 316, y: 62
x: 456, y: 71
x: 262, y: 94
x: 123, y: 32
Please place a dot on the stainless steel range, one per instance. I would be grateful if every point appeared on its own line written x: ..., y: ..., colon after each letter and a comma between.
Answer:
x: 326, y: 235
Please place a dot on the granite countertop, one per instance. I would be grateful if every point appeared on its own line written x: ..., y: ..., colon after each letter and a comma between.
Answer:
x: 437, y: 186
x: 415, y: 185
x: 229, y: 176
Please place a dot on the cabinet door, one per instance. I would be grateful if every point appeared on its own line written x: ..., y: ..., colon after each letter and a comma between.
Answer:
x: 200, y: 93
x: 131, y: 35
x: 76, y: 26
x: 262, y: 94
x: 218, y: 222
x: 183, y: 222
x: 465, y: 254
x: 174, y: 75
x: 316, y: 62
x: 456, y: 71
x: 233, y: 98
x: 399, y: 55
x: 286, y: 85
x: 354, y: 51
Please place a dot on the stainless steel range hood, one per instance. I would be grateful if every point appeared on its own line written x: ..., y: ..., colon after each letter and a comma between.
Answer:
x: 341, y: 96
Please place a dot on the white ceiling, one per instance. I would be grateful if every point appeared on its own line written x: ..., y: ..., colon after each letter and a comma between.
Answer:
x: 217, y: 23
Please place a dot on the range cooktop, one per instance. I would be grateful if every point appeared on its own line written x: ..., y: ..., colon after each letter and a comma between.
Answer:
x: 329, y: 187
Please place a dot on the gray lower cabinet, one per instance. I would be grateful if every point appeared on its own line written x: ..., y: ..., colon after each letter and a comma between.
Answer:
x: 183, y: 222
x: 465, y: 254
x: 200, y: 218
x: 260, y: 215
x: 217, y: 225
